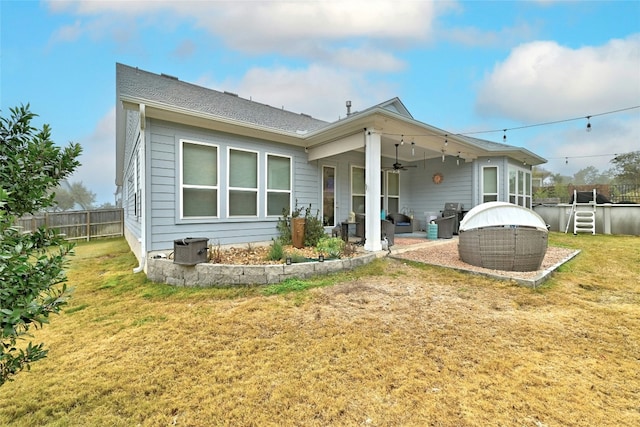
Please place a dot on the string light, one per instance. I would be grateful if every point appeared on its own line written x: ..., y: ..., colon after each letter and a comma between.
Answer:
x: 402, y: 140
x: 504, y: 137
x: 553, y: 122
x: 446, y: 142
x: 443, y: 155
x: 458, y: 159
x: 413, y: 148
x: 588, y: 123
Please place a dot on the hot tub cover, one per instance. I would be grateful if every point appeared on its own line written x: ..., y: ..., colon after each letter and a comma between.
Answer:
x: 496, y: 214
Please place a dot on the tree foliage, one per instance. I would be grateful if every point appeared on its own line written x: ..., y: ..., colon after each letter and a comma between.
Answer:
x: 626, y: 168
x: 69, y: 195
x: 32, y: 277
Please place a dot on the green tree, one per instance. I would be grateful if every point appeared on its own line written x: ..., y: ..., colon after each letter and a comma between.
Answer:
x: 590, y: 175
x: 32, y: 277
x: 626, y: 168
x: 67, y: 196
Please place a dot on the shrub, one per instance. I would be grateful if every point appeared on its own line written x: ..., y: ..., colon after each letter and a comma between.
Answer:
x: 331, y: 246
x: 276, y: 252
x: 313, y: 228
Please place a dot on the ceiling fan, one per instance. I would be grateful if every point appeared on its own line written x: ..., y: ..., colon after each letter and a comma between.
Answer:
x: 397, y: 166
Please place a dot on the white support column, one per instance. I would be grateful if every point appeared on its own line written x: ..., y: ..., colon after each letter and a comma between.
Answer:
x: 372, y: 191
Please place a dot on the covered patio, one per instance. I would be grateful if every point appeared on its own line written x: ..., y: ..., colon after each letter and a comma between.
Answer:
x: 390, y: 139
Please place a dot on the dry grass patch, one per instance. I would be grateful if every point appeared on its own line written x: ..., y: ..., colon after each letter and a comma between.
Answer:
x: 393, y: 343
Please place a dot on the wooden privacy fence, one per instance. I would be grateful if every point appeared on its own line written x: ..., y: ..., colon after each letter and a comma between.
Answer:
x: 78, y: 225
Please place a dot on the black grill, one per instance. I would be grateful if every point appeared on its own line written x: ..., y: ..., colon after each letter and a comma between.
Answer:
x: 453, y: 208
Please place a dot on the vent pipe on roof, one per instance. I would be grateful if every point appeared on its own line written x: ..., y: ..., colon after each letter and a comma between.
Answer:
x: 348, y: 108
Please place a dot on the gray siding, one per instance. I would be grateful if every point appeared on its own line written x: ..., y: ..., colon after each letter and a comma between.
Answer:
x: 129, y: 199
x: 420, y: 194
x: 166, y: 224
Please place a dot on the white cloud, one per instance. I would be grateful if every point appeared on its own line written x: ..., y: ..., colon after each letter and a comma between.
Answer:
x: 341, y: 33
x: 543, y: 81
x: 97, y: 171
x: 476, y: 37
x: 299, y: 90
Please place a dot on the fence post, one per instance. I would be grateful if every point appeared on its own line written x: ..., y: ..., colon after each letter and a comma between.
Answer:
x: 88, y: 225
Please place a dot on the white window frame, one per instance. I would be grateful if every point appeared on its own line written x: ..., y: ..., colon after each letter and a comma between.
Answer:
x: 485, y: 193
x: 205, y: 187
x: 353, y: 209
x: 520, y: 194
x: 247, y: 189
x: 385, y: 191
x: 269, y: 190
x: 335, y: 194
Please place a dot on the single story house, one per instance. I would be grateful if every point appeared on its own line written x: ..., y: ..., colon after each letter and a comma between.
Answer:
x: 196, y: 162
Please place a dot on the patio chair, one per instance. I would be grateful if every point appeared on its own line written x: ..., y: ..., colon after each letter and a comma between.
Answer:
x: 403, y: 223
x: 387, y: 229
x: 446, y: 225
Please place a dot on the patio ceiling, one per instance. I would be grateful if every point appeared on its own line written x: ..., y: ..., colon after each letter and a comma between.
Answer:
x: 430, y: 142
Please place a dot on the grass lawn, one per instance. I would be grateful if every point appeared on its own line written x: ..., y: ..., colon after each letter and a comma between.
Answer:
x: 391, y: 344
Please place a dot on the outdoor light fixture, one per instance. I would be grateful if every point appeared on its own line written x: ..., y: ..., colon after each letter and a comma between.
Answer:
x: 320, y: 258
x: 288, y: 260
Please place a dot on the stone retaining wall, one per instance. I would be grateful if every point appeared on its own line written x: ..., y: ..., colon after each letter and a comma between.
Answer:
x: 162, y: 270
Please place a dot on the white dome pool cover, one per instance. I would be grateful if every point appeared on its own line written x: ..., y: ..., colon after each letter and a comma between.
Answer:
x: 499, y: 214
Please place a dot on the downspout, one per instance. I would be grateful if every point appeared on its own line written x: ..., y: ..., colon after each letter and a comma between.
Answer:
x: 143, y: 210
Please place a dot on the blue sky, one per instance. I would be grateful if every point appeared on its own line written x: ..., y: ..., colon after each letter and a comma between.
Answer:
x: 465, y: 66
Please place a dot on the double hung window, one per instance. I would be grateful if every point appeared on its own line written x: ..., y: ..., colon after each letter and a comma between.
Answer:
x: 199, y: 184
x: 278, y: 184
x: 243, y: 183
x: 489, y: 184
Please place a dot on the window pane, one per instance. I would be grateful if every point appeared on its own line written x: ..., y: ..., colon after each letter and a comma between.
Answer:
x: 199, y: 202
x: 357, y: 177
x: 243, y: 203
x: 490, y: 198
x: 200, y: 164
x: 394, y: 205
x: 512, y: 181
x: 527, y: 184
x: 520, y: 182
x: 358, y: 204
x: 394, y: 184
x: 243, y: 169
x: 278, y: 173
x: 276, y: 202
x: 328, y: 196
x: 490, y: 180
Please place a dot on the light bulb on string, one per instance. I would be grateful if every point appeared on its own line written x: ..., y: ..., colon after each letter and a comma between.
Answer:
x: 504, y: 137
x: 458, y: 159
x: 446, y: 142
x: 401, y: 139
x: 413, y: 149
x: 566, y: 160
x: 588, y: 123
x: 442, y: 156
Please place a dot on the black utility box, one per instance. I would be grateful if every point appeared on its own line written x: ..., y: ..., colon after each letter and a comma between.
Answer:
x: 190, y: 251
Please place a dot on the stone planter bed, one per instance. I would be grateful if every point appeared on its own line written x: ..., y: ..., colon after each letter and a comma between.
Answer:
x: 163, y: 270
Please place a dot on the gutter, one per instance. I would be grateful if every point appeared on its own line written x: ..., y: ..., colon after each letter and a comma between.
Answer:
x: 143, y: 209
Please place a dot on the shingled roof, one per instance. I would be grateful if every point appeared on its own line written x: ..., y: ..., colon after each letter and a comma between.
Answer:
x: 136, y: 84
